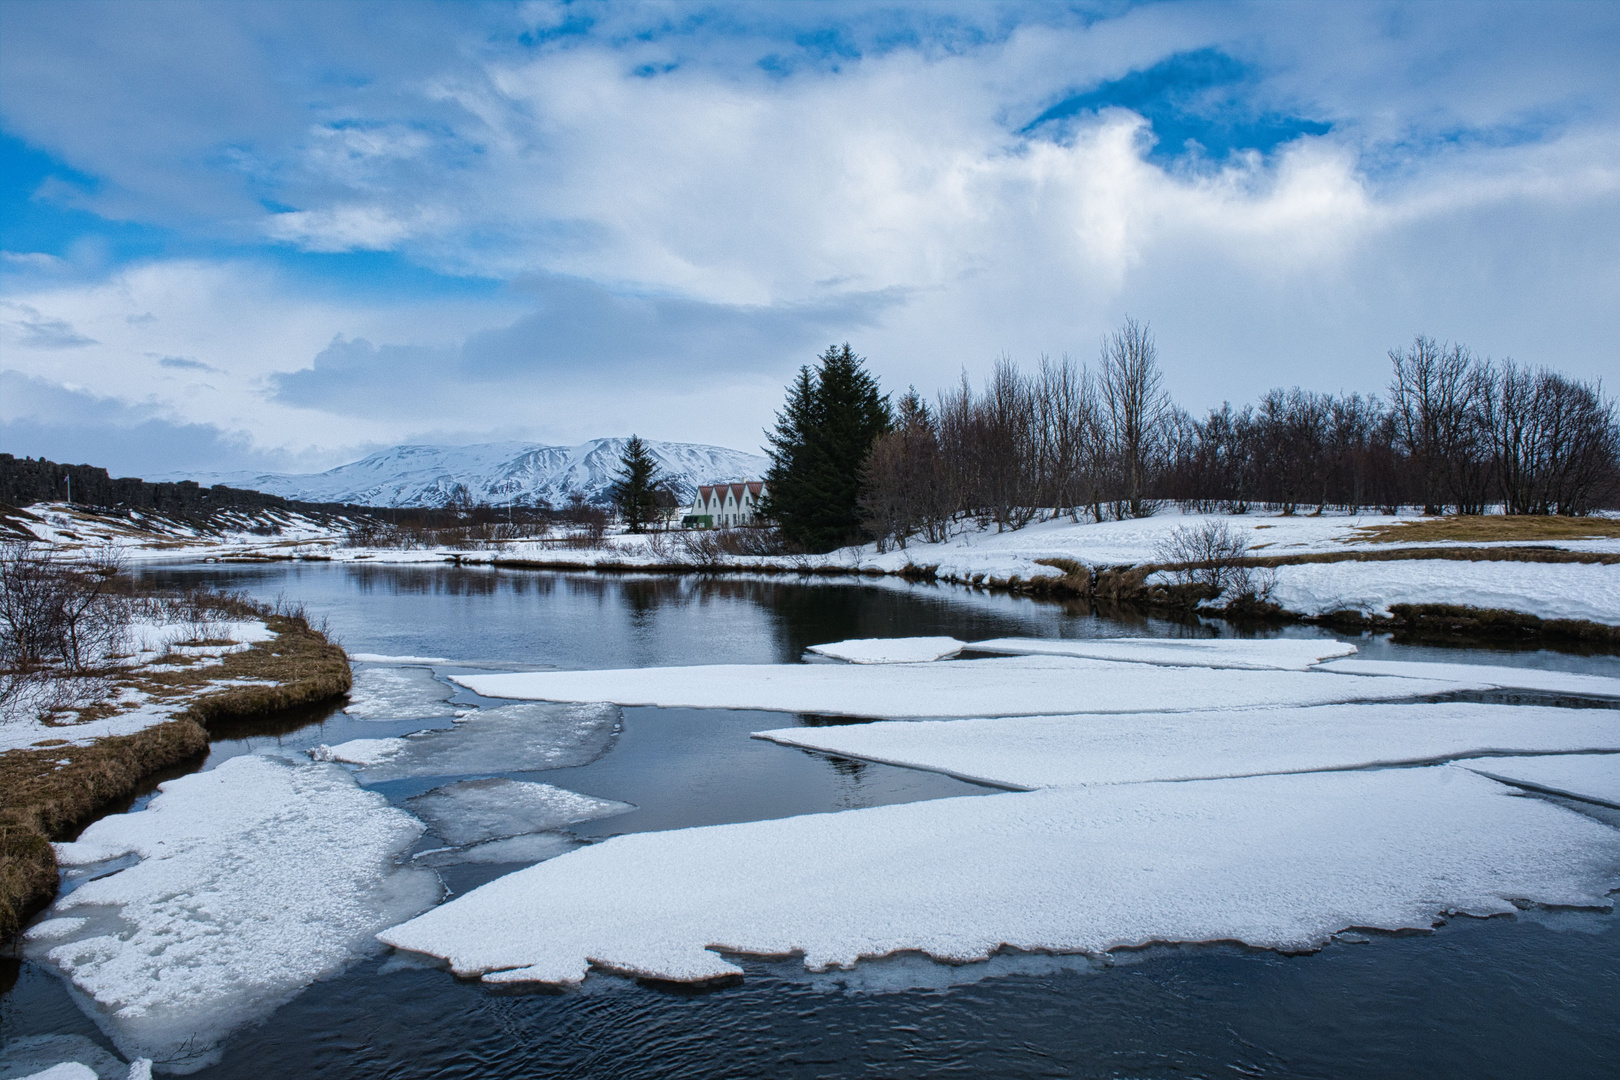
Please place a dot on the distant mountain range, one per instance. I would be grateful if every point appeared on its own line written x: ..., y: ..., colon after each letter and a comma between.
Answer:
x: 494, y: 473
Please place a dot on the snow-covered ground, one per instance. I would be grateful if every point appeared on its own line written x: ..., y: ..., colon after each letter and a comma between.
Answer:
x: 146, y: 646
x: 1547, y: 590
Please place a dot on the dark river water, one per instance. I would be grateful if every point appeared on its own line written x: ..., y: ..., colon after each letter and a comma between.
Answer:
x: 1534, y: 995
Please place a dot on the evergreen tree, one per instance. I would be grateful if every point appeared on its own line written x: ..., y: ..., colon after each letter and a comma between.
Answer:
x: 823, y: 436
x: 637, y: 486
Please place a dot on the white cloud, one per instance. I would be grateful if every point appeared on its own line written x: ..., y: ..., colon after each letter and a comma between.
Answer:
x: 722, y: 199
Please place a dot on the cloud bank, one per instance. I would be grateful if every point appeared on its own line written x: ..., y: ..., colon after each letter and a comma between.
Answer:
x: 365, y: 223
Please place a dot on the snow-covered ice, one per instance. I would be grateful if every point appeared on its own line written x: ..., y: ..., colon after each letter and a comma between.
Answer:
x: 1295, y: 654
x: 528, y: 848
x: 1276, y: 861
x: 1588, y: 591
x: 396, y: 693
x: 35, y: 1055
x: 904, y: 650
x: 1503, y: 678
x: 1591, y: 777
x: 1048, y: 751
x: 472, y: 811
x: 255, y: 879
x: 511, y: 738
x: 1012, y: 686
x: 383, y: 658
x: 361, y: 752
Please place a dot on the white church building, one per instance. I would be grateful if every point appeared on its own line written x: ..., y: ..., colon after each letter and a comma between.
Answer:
x: 722, y: 506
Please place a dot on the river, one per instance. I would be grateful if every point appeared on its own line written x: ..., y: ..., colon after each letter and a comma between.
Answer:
x: 1528, y: 995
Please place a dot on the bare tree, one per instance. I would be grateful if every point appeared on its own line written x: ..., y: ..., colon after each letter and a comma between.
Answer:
x: 1134, y: 407
x: 1433, y: 391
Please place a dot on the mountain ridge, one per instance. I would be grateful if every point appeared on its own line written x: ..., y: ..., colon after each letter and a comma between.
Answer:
x: 501, y: 473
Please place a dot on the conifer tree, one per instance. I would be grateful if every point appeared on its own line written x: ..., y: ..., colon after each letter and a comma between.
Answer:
x: 823, y: 436
x: 636, y: 486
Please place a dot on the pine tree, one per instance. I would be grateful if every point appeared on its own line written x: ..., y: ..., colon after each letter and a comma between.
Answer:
x: 823, y: 436
x: 636, y: 486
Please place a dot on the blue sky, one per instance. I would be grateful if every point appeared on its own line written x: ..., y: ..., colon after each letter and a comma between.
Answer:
x: 243, y: 236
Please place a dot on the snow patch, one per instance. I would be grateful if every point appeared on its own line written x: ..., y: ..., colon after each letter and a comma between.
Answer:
x: 1052, y: 751
x: 1276, y: 862
x: 473, y: 811
x: 255, y: 879
x: 1015, y: 686
x: 906, y: 650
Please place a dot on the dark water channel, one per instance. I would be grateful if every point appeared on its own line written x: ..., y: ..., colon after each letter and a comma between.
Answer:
x: 1535, y: 995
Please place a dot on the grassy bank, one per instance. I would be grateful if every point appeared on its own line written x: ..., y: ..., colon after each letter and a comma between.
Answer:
x: 50, y: 793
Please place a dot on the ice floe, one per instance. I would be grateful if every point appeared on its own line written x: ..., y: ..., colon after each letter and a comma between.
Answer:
x: 396, y: 693
x: 38, y: 1055
x: 1011, y: 686
x: 529, y: 848
x: 905, y: 650
x: 473, y: 811
x: 1277, y: 861
x: 1295, y: 654
x: 1048, y: 751
x: 511, y: 738
x: 255, y: 879
x: 1502, y: 678
x: 1589, y: 777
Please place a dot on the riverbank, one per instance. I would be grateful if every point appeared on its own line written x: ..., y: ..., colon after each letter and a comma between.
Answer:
x: 1540, y: 579
x: 155, y: 716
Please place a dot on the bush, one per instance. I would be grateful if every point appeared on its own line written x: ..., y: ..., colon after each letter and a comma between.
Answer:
x: 1206, y: 553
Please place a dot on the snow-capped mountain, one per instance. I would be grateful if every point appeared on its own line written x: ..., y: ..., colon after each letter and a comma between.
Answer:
x: 495, y: 473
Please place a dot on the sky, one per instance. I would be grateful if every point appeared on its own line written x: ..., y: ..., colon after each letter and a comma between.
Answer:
x: 243, y: 236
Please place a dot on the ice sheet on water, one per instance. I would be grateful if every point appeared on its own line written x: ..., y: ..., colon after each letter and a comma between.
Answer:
x: 1295, y: 654
x: 30, y: 1055
x: 1010, y: 686
x: 255, y: 879
x: 1276, y: 861
x: 1506, y: 678
x: 511, y: 738
x: 904, y: 650
x: 1051, y: 751
x: 472, y: 811
x: 359, y: 751
x: 530, y: 848
x: 383, y: 658
x: 1592, y: 777
x: 396, y: 693
x: 67, y: 1070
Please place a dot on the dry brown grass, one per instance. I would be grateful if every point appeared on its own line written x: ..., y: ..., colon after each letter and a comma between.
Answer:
x: 49, y: 793
x: 1486, y: 528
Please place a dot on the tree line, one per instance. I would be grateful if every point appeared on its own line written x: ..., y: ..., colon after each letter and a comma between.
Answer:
x: 1457, y: 433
